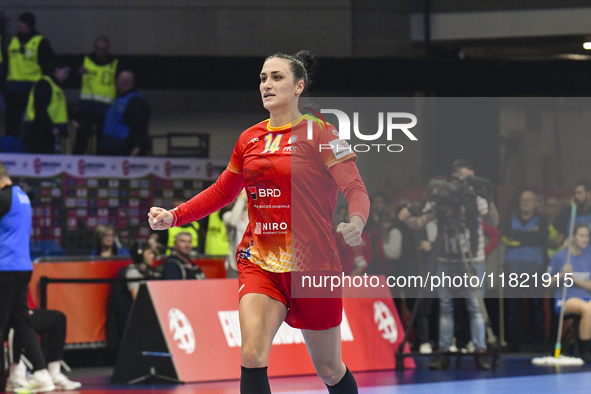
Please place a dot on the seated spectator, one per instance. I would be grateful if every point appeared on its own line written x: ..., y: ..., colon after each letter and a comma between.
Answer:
x: 108, y: 244
x: 179, y: 265
x: 581, y: 197
x: 125, y: 132
x: 123, y: 294
x: 552, y: 211
x: 51, y: 326
x: 578, y: 296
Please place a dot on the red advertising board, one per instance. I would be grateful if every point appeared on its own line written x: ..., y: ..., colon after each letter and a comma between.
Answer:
x: 199, y: 321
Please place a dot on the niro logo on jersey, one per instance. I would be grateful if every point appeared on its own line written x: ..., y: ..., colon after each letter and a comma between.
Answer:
x: 256, y: 192
x: 270, y: 228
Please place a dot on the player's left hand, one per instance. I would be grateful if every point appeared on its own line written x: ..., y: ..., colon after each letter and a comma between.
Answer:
x: 350, y: 232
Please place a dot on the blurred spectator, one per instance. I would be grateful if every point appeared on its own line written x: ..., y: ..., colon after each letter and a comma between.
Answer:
x: 525, y: 235
x: 450, y: 261
x: 578, y: 295
x: 582, y: 197
x: 216, y: 237
x: 29, y: 57
x: 166, y: 239
x: 236, y: 221
x: 407, y: 264
x: 51, y: 326
x: 123, y: 294
x: 107, y: 244
x: 552, y: 211
x: 97, y: 93
x: 125, y: 132
x: 1, y: 57
x: 179, y: 265
x: 46, y: 118
x: 379, y: 204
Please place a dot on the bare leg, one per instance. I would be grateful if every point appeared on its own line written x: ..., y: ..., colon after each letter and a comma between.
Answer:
x: 325, y: 350
x: 577, y: 306
x: 260, y: 318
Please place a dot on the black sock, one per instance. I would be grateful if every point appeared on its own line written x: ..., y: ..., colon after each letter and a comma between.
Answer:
x: 347, y: 385
x: 254, y: 381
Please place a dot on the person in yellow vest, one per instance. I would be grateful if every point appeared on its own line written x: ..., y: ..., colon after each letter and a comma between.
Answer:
x: 553, y: 208
x: 29, y: 57
x: 1, y: 58
x: 97, y: 93
x: 46, y: 117
x: 216, y: 238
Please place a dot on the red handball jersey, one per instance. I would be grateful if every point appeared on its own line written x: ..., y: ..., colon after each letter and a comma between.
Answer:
x: 291, y: 194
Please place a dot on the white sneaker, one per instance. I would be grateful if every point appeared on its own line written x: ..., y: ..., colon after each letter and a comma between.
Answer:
x: 470, y: 347
x: 40, y: 382
x: 17, y: 377
x: 425, y: 348
x: 62, y: 383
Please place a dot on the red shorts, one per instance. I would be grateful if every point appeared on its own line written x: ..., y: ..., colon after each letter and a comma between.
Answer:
x: 302, y: 313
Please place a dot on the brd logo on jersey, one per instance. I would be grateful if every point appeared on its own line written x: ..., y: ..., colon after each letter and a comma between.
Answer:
x: 256, y: 192
x: 181, y: 330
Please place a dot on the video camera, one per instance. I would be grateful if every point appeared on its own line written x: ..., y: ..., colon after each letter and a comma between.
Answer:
x: 449, y: 196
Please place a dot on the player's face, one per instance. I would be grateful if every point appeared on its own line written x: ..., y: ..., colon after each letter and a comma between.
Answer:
x: 277, y: 84
x: 183, y: 244
x: 581, y: 238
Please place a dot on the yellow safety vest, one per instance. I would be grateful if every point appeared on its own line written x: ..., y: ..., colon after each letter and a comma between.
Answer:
x: 24, y: 66
x: 552, y: 233
x: 98, y: 83
x: 216, y: 240
x: 192, y: 229
x: 57, y: 109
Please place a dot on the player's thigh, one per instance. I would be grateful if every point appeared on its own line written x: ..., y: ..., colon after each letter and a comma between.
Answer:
x: 324, y: 346
x: 260, y: 318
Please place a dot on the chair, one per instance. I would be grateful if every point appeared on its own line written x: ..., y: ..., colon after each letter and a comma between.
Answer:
x: 573, y: 329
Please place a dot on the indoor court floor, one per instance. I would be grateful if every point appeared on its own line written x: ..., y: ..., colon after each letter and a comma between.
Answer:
x: 514, y: 375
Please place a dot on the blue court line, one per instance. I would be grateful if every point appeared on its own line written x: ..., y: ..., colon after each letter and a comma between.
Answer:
x: 571, y: 383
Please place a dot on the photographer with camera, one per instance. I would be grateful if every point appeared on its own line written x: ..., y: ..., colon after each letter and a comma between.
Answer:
x: 459, y: 205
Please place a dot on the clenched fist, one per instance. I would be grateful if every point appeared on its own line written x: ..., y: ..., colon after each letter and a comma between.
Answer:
x: 160, y: 218
x: 351, y: 232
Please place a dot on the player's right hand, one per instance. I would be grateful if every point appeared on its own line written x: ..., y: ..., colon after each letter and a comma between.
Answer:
x: 160, y: 218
